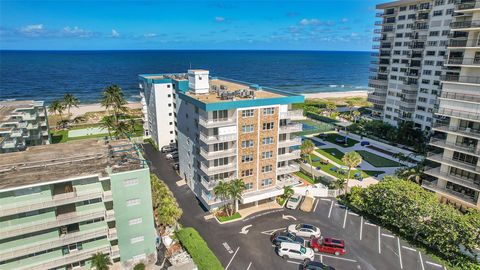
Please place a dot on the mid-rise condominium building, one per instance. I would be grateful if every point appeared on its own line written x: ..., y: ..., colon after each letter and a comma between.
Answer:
x: 457, y: 178
x: 22, y: 124
x: 227, y: 129
x: 411, y: 54
x: 61, y: 203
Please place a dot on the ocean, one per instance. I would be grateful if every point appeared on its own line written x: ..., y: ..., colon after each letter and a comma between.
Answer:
x: 47, y: 75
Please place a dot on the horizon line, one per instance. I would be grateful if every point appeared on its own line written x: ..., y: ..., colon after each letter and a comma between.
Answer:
x: 266, y: 50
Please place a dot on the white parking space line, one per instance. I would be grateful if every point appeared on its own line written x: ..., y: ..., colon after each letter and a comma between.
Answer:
x: 315, y: 208
x: 323, y: 199
x: 370, y: 224
x: 345, y: 218
x: 421, y: 260
x: 338, y: 258
x: 434, y: 264
x: 321, y: 258
x: 235, y: 254
x: 294, y: 262
x: 409, y: 248
x: 330, y: 212
x: 353, y: 214
x: 249, y: 265
x: 388, y: 235
x: 379, y: 248
x: 269, y: 232
x: 400, y: 253
x: 361, y: 227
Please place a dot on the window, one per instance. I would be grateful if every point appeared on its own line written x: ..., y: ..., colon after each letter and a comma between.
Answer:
x: 27, y: 191
x: 220, y: 162
x: 437, y: 13
x: 133, y: 202
x: 247, y: 158
x: 220, y: 146
x: 268, y: 126
x: 246, y: 173
x: 248, y: 186
x: 136, y: 239
x: 247, y: 113
x: 403, y: 8
x: 266, y: 182
x: 449, y: 11
x: 401, y: 18
x: 135, y: 221
x: 267, y: 140
x: 434, y: 33
x: 266, y: 169
x: 267, y: 154
x: 247, y: 143
x: 268, y: 111
x: 247, y: 128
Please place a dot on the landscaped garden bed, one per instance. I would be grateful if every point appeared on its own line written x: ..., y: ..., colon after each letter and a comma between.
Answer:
x: 201, y: 254
x: 376, y: 160
x: 223, y: 217
x: 339, y: 172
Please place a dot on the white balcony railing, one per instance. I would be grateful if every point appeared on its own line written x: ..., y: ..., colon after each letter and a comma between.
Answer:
x: 217, y: 154
x: 289, y: 156
x: 292, y: 127
x: 216, y: 122
x: 291, y: 142
x: 449, y: 192
x: 288, y: 169
x: 292, y: 115
x: 217, y: 138
x: 217, y: 169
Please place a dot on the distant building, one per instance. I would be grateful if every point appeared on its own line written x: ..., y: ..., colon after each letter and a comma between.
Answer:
x: 61, y: 203
x: 227, y: 129
x: 22, y: 124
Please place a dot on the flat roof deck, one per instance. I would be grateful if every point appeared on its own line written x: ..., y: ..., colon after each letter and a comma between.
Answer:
x: 52, y: 162
x: 7, y: 107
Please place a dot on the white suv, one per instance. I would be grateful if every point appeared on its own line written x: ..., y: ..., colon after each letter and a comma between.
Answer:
x: 295, y: 251
x: 294, y: 201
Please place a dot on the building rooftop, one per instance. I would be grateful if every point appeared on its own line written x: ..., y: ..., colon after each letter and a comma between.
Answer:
x: 7, y: 107
x: 398, y: 3
x: 52, y: 162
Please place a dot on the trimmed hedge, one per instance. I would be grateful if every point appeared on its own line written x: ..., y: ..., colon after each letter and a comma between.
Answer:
x: 198, y: 249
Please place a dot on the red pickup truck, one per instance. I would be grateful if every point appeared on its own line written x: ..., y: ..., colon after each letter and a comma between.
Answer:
x: 328, y: 245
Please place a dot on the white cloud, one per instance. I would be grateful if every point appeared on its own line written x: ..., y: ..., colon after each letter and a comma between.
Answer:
x: 219, y: 19
x: 309, y: 21
x: 32, y: 29
x: 150, y: 35
x: 115, y: 33
x: 75, y: 32
x: 344, y: 20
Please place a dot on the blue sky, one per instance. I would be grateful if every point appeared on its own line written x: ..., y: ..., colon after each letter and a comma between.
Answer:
x: 114, y: 25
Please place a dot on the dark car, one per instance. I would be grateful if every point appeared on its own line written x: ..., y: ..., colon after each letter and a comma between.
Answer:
x: 279, y: 237
x: 365, y: 143
x: 313, y: 265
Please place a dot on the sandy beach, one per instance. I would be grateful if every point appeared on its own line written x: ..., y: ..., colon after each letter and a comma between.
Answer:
x: 337, y: 94
x: 96, y: 107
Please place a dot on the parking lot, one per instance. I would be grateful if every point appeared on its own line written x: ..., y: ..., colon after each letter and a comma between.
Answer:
x: 246, y: 245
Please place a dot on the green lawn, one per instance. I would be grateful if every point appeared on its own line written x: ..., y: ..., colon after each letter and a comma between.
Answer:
x: 232, y: 217
x: 328, y: 169
x: 377, y: 160
x: 332, y: 153
x: 305, y: 177
x: 331, y: 137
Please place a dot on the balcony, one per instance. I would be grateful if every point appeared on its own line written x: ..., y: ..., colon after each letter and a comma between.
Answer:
x: 289, y: 156
x: 466, y: 25
x: 449, y: 192
x: 292, y: 127
x: 115, y: 252
x: 60, y: 220
x: 217, y: 169
x: 439, y: 158
x: 466, y: 5
x: 288, y: 169
x: 208, y: 155
x: 110, y: 215
x: 112, y: 234
x: 60, y: 199
x: 16, y: 133
x: 419, y: 38
x: 8, y: 144
x: 463, y: 131
x: 292, y: 142
x: 460, y: 96
x: 460, y: 79
x: 217, y: 138
x: 460, y: 61
x: 65, y: 239
x: 459, y: 114
x: 292, y: 115
x: 216, y: 122
x: 455, y: 146
x: 464, y: 43
x: 470, y: 183
x: 209, y: 198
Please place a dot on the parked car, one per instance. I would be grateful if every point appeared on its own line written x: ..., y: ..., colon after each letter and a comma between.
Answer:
x: 168, y: 148
x: 294, y: 201
x: 295, y: 251
x: 328, y: 245
x: 313, y: 265
x: 364, y: 143
x: 279, y: 237
x: 176, y: 166
x: 172, y: 155
x: 304, y: 230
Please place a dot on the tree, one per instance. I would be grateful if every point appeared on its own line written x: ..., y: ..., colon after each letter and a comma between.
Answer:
x: 356, y: 115
x: 122, y: 129
x: 56, y: 107
x: 351, y: 160
x: 331, y: 107
x: 287, y: 192
x: 101, y: 261
x: 70, y: 101
x: 339, y: 183
x: 413, y: 174
x: 108, y: 123
x: 221, y: 191
x: 166, y: 208
x: 235, y: 190
x: 306, y: 149
x: 113, y: 98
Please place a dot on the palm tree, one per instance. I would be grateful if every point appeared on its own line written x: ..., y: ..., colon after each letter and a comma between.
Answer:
x: 107, y: 122
x: 287, y: 192
x: 236, y: 188
x: 101, y: 261
x: 351, y: 160
x: 306, y: 149
x: 113, y: 98
x: 356, y: 115
x: 56, y: 107
x: 413, y: 174
x: 331, y: 107
x: 339, y: 183
x: 122, y: 129
x: 221, y: 192
x: 70, y: 101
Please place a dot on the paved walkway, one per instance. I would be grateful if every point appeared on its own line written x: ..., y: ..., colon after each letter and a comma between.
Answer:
x: 245, y: 212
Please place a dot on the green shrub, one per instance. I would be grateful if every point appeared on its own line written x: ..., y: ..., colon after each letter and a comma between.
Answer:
x: 321, y: 118
x: 228, y: 218
x: 198, y: 249
x: 139, y: 266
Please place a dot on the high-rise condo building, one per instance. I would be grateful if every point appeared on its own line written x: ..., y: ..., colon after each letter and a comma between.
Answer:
x: 61, y: 203
x: 457, y: 178
x: 23, y: 123
x: 411, y: 55
x: 228, y: 129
